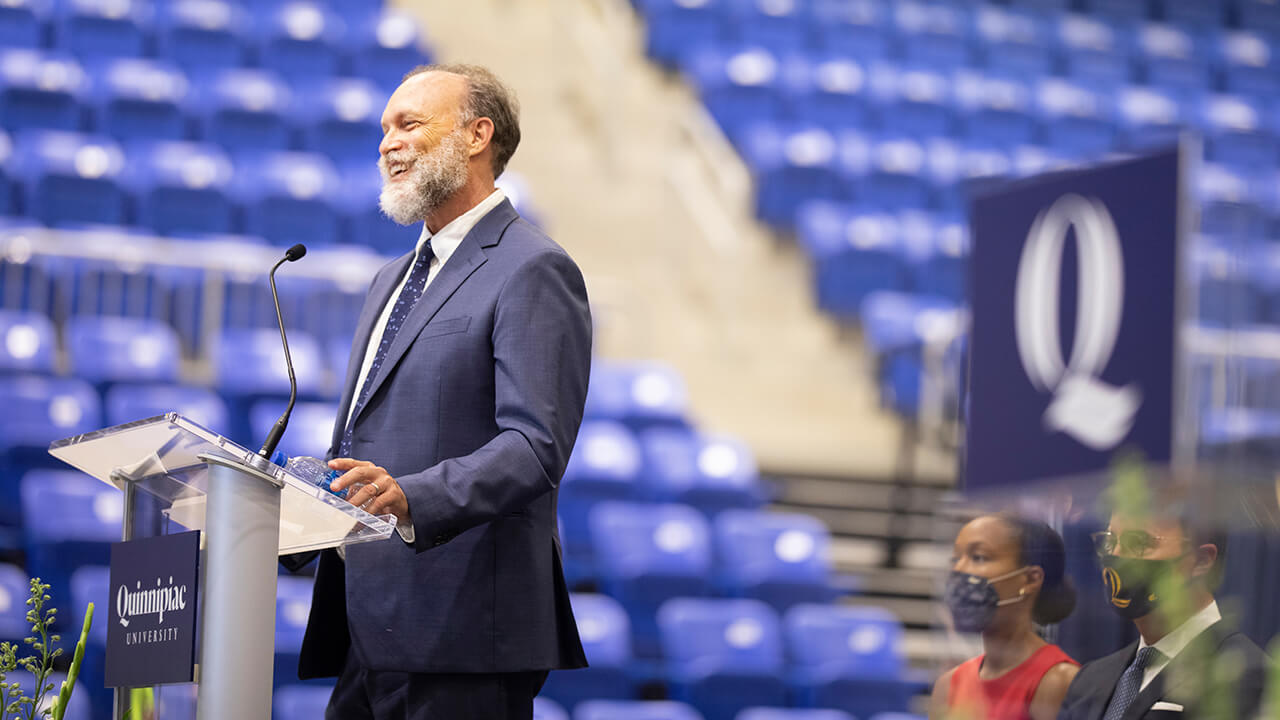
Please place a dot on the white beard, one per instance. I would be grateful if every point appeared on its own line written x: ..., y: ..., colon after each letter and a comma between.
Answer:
x: 433, y: 178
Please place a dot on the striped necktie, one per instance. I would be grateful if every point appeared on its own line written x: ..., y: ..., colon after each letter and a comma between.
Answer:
x: 1130, y: 684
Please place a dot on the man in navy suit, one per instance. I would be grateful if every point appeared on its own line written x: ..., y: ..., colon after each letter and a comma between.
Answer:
x: 463, y: 396
x: 1188, y: 662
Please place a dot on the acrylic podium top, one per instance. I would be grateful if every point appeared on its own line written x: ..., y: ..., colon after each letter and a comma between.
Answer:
x: 162, y: 456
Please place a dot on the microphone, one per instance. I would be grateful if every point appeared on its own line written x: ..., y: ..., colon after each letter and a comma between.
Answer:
x: 277, y: 431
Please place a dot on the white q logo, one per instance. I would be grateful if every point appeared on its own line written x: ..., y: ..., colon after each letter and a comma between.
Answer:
x: 1094, y: 413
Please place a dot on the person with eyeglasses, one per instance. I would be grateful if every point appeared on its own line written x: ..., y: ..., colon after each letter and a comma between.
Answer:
x: 1160, y: 571
x: 1007, y: 576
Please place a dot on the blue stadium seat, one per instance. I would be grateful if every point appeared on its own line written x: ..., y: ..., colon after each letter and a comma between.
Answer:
x: 385, y: 46
x: 831, y: 93
x: 936, y: 249
x: 854, y: 253
x: 1229, y: 202
x: 932, y: 34
x: 1261, y: 15
x: 119, y: 349
x: 127, y: 403
x: 1077, y: 119
x: 780, y: 25
x: 14, y: 591
x: 1147, y: 117
x: 913, y: 101
x: 605, y: 465
x: 606, y: 638
x: 711, y: 473
x: 301, y: 40
x: 763, y: 713
x: 40, y: 90
x: 7, y: 205
x: 91, y: 584
x: 722, y: 655
x: 635, y: 710
x: 782, y: 559
x: 854, y: 28
x: 640, y: 395
x: 677, y: 26
x: 1093, y: 51
x: 89, y: 513
x: 136, y: 99
x: 71, y: 178
x: 343, y: 120
x: 1249, y: 64
x: 293, y: 608
x: 176, y: 701
x: 994, y: 111
x: 896, y: 716
x: 39, y: 410
x: 300, y: 702
x: 959, y: 172
x: 251, y: 363
x: 739, y: 87
x: 202, y: 36
x: 1013, y: 43
x: 847, y: 657
x: 888, y: 172
x: 1118, y: 11
x: 22, y: 23
x: 895, y: 328
x: 290, y: 197
x: 1236, y: 133
x: 244, y: 110
x: 26, y: 342
x: 646, y: 554
x: 1172, y: 58
x: 102, y: 28
x: 791, y: 165
x: 545, y: 709
x: 181, y: 188
x: 1224, y: 296
x: 310, y: 425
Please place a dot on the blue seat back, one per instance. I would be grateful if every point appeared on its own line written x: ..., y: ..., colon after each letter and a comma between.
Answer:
x: 245, y: 110
x: 637, y: 394
x: 293, y: 607
x: 21, y: 23
x: 89, y: 510
x: 545, y: 709
x: 182, y: 188
x: 703, y: 636
x: 40, y: 90
x: 102, y: 28
x: 202, y: 36
x: 634, y: 540
x: 709, y: 472
x: 300, y: 702
x: 300, y: 40
x: 91, y: 584
x: 251, y: 362
x: 14, y: 591
x: 846, y: 641
x: 71, y: 178
x: 290, y: 197
x: 754, y: 547
x: 387, y: 45
x: 26, y: 342
x: 119, y: 349
x: 127, y: 403
x: 310, y: 425
x: 760, y: 713
x: 344, y: 122
x: 635, y: 710
x: 40, y: 410
x: 135, y: 98
x: 604, y: 629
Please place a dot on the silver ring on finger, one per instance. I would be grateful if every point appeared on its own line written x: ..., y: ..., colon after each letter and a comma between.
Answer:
x: 376, y: 489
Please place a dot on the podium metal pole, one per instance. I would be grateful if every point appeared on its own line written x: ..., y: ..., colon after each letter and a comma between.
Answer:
x: 242, y: 526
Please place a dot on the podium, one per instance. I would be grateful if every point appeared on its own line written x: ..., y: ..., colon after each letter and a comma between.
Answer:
x: 250, y: 511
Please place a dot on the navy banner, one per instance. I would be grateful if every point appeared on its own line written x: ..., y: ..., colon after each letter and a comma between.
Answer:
x: 1075, y: 296
x: 151, y: 618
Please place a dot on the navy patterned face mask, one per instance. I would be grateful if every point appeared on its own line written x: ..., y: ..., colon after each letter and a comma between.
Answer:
x: 973, y: 601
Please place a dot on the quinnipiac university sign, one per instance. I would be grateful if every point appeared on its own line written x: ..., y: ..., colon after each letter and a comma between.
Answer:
x: 151, y: 613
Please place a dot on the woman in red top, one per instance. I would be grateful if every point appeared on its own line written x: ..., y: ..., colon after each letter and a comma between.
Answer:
x: 1006, y: 576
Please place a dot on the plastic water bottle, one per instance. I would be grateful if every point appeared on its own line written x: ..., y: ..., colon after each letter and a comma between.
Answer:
x: 314, y: 471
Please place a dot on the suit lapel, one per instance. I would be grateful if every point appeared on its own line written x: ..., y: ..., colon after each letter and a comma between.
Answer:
x: 1195, y: 653
x: 465, y: 260
x: 379, y: 294
x: 1112, y: 667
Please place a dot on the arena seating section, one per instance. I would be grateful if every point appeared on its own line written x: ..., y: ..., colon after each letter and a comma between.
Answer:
x: 868, y: 123
x: 153, y: 161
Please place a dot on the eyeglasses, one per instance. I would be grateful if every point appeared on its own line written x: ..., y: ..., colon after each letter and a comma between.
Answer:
x: 1131, y: 543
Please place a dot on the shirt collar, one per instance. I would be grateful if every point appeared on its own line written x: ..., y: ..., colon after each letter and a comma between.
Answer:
x: 1178, y: 639
x: 450, y: 236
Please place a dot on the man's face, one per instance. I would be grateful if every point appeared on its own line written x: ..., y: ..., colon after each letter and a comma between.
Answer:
x: 424, y: 151
x: 1147, y: 538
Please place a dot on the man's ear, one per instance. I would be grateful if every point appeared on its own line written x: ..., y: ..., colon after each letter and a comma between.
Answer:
x: 1205, y: 556
x: 480, y: 136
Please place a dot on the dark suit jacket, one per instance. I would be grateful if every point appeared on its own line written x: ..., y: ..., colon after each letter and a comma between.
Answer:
x: 1188, y: 680
x: 474, y: 411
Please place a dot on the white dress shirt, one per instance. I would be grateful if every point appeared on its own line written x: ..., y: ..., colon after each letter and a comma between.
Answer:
x: 443, y: 245
x: 1176, y: 641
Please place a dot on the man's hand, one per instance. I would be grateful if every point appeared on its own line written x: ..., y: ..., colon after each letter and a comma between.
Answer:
x: 379, y: 489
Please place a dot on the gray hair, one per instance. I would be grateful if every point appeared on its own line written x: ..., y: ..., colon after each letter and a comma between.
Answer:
x: 487, y: 96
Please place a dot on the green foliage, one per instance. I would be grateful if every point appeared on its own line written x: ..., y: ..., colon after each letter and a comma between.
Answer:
x: 16, y: 704
x: 64, y: 694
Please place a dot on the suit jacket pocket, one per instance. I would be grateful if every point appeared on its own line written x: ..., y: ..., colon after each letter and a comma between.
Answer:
x: 445, y: 327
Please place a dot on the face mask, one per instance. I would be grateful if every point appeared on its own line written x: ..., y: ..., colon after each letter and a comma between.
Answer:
x: 1131, y: 583
x: 973, y: 601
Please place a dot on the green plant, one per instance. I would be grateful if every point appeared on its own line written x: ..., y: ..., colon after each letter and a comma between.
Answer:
x: 64, y: 694
x: 40, y: 664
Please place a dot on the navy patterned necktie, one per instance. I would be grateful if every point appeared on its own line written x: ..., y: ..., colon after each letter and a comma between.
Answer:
x: 1130, y: 684
x: 408, y: 297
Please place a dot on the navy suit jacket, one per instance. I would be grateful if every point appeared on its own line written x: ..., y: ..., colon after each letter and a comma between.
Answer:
x: 474, y: 412
x: 1184, y: 681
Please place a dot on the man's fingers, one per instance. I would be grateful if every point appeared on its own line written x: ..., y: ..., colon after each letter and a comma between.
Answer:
x: 361, y: 473
x: 348, y: 463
